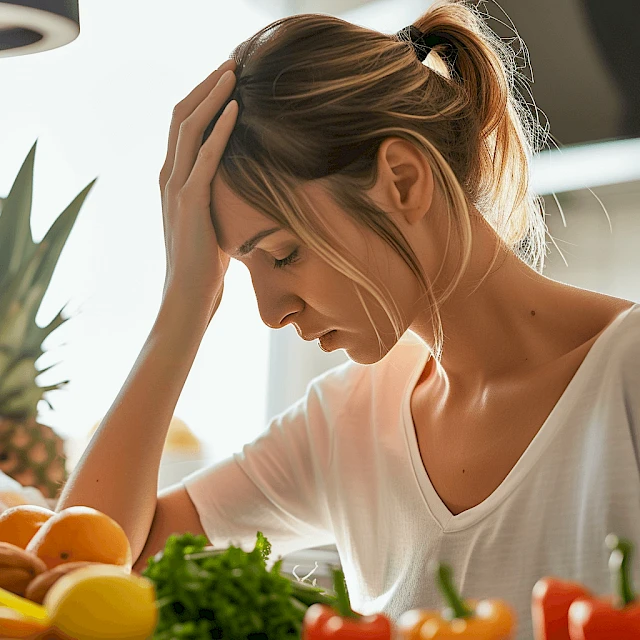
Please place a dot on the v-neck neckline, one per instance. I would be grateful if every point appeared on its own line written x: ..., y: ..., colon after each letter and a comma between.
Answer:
x: 438, y: 510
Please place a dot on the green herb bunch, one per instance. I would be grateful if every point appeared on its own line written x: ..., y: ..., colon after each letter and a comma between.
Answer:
x: 228, y: 593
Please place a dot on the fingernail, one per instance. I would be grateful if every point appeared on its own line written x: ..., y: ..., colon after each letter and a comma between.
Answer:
x: 225, y: 77
x: 227, y: 108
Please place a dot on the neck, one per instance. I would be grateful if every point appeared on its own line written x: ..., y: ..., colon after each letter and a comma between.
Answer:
x: 515, y: 321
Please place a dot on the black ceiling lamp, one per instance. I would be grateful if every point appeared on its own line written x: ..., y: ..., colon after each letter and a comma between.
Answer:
x: 31, y: 26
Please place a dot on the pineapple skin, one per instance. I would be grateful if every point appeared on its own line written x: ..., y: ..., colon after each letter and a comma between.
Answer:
x: 33, y: 454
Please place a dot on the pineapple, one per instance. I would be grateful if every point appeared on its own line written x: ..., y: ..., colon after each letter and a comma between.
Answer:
x: 30, y: 452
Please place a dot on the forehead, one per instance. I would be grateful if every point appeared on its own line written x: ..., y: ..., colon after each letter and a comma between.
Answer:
x: 233, y: 219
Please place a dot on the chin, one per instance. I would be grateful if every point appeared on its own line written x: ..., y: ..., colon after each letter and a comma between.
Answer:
x: 367, y: 356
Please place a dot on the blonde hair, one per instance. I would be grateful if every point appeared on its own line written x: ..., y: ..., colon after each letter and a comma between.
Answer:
x: 318, y: 95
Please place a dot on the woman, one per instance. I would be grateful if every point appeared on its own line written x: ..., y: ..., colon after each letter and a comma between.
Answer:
x: 376, y: 186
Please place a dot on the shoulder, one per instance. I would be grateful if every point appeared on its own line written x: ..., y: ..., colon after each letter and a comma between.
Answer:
x: 625, y: 347
x: 625, y: 339
x: 616, y: 368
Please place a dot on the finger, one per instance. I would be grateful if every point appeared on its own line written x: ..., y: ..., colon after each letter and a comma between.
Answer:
x: 199, y: 93
x: 190, y: 135
x: 184, y: 109
x: 198, y: 186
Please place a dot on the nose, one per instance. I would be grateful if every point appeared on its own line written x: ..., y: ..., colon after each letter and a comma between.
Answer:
x: 277, y: 306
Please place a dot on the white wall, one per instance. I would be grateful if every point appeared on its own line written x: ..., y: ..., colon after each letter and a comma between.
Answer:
x: 600, y: 258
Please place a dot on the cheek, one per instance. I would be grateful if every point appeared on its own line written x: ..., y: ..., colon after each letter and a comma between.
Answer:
x: 326, y: 285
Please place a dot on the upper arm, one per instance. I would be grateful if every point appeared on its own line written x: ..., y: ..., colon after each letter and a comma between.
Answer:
x: 274, y: 486
x: 175, y: 513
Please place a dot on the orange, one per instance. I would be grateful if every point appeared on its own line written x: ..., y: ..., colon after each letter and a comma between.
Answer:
x: 19, y: 524
x: 81, y: 533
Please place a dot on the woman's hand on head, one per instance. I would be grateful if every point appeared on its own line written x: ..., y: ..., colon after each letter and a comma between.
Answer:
x: 195, y: 264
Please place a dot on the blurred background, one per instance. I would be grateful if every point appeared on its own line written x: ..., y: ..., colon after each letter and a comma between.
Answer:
x: 101, y: 106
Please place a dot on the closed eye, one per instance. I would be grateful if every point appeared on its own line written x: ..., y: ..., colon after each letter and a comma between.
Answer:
x: 290, y: 259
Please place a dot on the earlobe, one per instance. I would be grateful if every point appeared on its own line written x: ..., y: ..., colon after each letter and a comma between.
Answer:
x: 407, y: 178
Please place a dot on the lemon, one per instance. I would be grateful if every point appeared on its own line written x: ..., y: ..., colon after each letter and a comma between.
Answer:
x: 103, y: 601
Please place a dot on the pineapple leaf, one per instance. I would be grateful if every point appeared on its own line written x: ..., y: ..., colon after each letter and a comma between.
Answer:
x: 11, y: 305
x: 57, y: 235
x: 26, y: 269
x: 36, y: 335
x: 20, y: 374
x: 33, y: 277
x: 55, y: 387
x: 6, y: 358
x: 16, y: 243
x: 41, y: 371
x: 22, y: 403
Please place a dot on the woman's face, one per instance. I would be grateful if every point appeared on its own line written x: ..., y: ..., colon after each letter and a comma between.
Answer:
x: 307, y: 292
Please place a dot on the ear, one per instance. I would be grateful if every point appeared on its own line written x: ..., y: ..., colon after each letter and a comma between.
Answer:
x: 405, y: 179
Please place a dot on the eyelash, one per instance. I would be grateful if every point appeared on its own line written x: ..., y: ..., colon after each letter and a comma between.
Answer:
x: 291, y: 258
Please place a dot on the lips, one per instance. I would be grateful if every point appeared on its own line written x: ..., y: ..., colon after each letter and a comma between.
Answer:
x: 315, y: 336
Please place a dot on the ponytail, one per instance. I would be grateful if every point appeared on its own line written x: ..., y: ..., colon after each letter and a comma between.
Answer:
x: 499, y: 130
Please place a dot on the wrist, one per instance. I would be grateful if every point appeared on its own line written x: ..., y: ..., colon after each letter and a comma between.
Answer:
x: 178, y: 302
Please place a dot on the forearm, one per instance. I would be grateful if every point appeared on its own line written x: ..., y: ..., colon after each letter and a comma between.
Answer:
x: 118, y: 472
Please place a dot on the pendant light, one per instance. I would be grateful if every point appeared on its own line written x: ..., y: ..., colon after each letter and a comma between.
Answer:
x: 31, y: 26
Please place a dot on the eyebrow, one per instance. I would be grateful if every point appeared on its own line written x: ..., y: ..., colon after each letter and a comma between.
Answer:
x: 249, y: 245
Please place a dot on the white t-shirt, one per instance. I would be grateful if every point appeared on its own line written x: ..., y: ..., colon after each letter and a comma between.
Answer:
x: 342, y: 466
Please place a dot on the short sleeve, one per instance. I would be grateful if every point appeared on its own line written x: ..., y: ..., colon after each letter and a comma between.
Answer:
x: 275, y: 485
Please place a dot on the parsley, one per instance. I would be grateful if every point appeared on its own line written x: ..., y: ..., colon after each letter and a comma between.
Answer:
x: 229, y: 593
